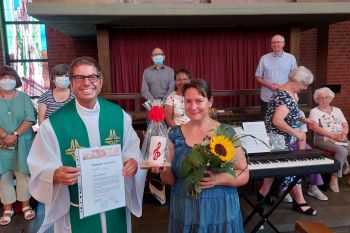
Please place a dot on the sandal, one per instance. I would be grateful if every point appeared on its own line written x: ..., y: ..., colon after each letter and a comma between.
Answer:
x: 6, y: 218
x: 28, y: 212
x: 309, y: 211
x: 333, y: 185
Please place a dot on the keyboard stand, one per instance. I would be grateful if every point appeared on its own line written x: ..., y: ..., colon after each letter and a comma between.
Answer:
x: 259, y: 209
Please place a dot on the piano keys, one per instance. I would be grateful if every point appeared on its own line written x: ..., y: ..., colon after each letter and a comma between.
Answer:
x: 286, y: 163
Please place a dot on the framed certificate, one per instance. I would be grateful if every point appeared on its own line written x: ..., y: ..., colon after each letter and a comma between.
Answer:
x: 101, y: 183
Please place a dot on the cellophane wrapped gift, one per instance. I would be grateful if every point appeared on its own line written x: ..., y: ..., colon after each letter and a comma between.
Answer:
x: 154, y: 147
x: 277, y: 142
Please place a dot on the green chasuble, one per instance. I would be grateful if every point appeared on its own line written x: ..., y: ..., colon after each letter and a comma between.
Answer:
x: 71, y: 133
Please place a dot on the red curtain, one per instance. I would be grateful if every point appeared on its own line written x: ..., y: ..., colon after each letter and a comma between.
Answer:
x: 225, y: 57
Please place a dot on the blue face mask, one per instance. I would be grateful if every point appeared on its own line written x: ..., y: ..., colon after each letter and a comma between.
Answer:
x: 158, y: 59
x: 7, y: 84
x: 62, y: 81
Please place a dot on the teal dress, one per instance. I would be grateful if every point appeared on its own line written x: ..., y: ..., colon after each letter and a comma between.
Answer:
x: 217, y: 210
x: 21, y: 108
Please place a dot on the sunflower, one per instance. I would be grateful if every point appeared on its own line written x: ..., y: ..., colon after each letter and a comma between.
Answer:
x: 222, y: 147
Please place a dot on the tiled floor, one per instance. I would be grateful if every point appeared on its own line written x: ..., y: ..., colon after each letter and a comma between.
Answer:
x: 334, y: 213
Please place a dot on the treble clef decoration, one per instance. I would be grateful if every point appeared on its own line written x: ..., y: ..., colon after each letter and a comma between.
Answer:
x: 156, y: 152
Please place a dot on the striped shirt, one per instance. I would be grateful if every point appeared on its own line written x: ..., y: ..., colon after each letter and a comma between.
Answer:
x: 51, y: 104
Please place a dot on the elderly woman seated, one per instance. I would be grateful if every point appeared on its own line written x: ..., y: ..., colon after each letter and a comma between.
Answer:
x: 331, y: 130
x: 282, y: 117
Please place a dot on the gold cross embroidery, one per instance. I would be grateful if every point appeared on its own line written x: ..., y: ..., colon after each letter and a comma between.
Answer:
x: 73, y: 146
x: 113, y: 138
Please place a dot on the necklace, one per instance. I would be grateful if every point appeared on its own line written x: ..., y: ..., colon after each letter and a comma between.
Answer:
x: 9, y: 106
x: 327, y: 110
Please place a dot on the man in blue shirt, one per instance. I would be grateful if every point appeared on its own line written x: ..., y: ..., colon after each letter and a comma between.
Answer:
x: 273, y: 70
x: 158, y: 79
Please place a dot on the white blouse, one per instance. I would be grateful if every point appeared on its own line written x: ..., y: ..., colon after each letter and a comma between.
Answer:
x: 332, y: 122
x: 177, y: 101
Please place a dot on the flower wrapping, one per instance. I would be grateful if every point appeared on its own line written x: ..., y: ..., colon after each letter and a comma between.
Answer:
x: 216, y: 153
x: 154, y: 147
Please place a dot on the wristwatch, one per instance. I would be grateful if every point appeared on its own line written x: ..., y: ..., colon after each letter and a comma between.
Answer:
x: 16, y: 134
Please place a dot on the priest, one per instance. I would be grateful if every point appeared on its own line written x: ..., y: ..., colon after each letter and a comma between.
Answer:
x: 86, y: 121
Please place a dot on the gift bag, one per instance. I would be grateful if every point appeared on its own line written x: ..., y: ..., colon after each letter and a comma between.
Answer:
x: 154, y: 147
x: 157, y: 189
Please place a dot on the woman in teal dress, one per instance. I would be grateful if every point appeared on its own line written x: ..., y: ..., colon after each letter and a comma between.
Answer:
x: 17, y: 115
x: 217, y: 209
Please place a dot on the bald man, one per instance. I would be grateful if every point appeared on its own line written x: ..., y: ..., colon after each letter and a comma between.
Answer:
x: 273, y: 70
x: 158, y: 79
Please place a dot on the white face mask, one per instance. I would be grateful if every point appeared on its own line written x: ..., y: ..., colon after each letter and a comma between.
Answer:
x: 7, y: 84
x: 62, y: 81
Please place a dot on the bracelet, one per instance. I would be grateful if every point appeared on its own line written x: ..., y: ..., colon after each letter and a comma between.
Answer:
x: 16, y: 134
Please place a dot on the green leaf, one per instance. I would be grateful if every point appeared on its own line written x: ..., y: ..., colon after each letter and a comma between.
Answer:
x: 218, y: 169
x: 188, y: 184
x: 215, y: 161
x: 197, y: 189
x: 198, y: 175
x: 185, y: 168
x: 231, y: 172
x: 195, y: 157
x: 194, y: 160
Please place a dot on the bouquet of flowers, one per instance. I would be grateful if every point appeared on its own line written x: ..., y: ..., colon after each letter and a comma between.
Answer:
x: 216, y: 153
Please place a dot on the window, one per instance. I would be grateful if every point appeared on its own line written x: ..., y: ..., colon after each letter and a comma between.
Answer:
x: 25, y: 46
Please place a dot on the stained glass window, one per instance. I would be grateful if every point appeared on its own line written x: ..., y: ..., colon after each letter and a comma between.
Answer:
x: 30, y: 73
x: 16, y: 10
x: 25, y: 41
x: 25, y: 46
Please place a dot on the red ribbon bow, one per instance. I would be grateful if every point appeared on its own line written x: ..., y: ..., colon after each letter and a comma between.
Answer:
x: 156, y: 114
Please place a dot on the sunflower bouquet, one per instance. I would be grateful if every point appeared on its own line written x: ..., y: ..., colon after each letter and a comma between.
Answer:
x: 216, y: 153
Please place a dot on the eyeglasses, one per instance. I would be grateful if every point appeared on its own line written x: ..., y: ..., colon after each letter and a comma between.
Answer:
x: 324, y: 97
x: 81, y: 78
x: 277, y: 42
x: 182, y: 80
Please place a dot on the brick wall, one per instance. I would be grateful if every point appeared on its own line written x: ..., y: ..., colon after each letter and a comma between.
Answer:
x: 339, y: 64
x: 63, y: 49
x: 308, y: 49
